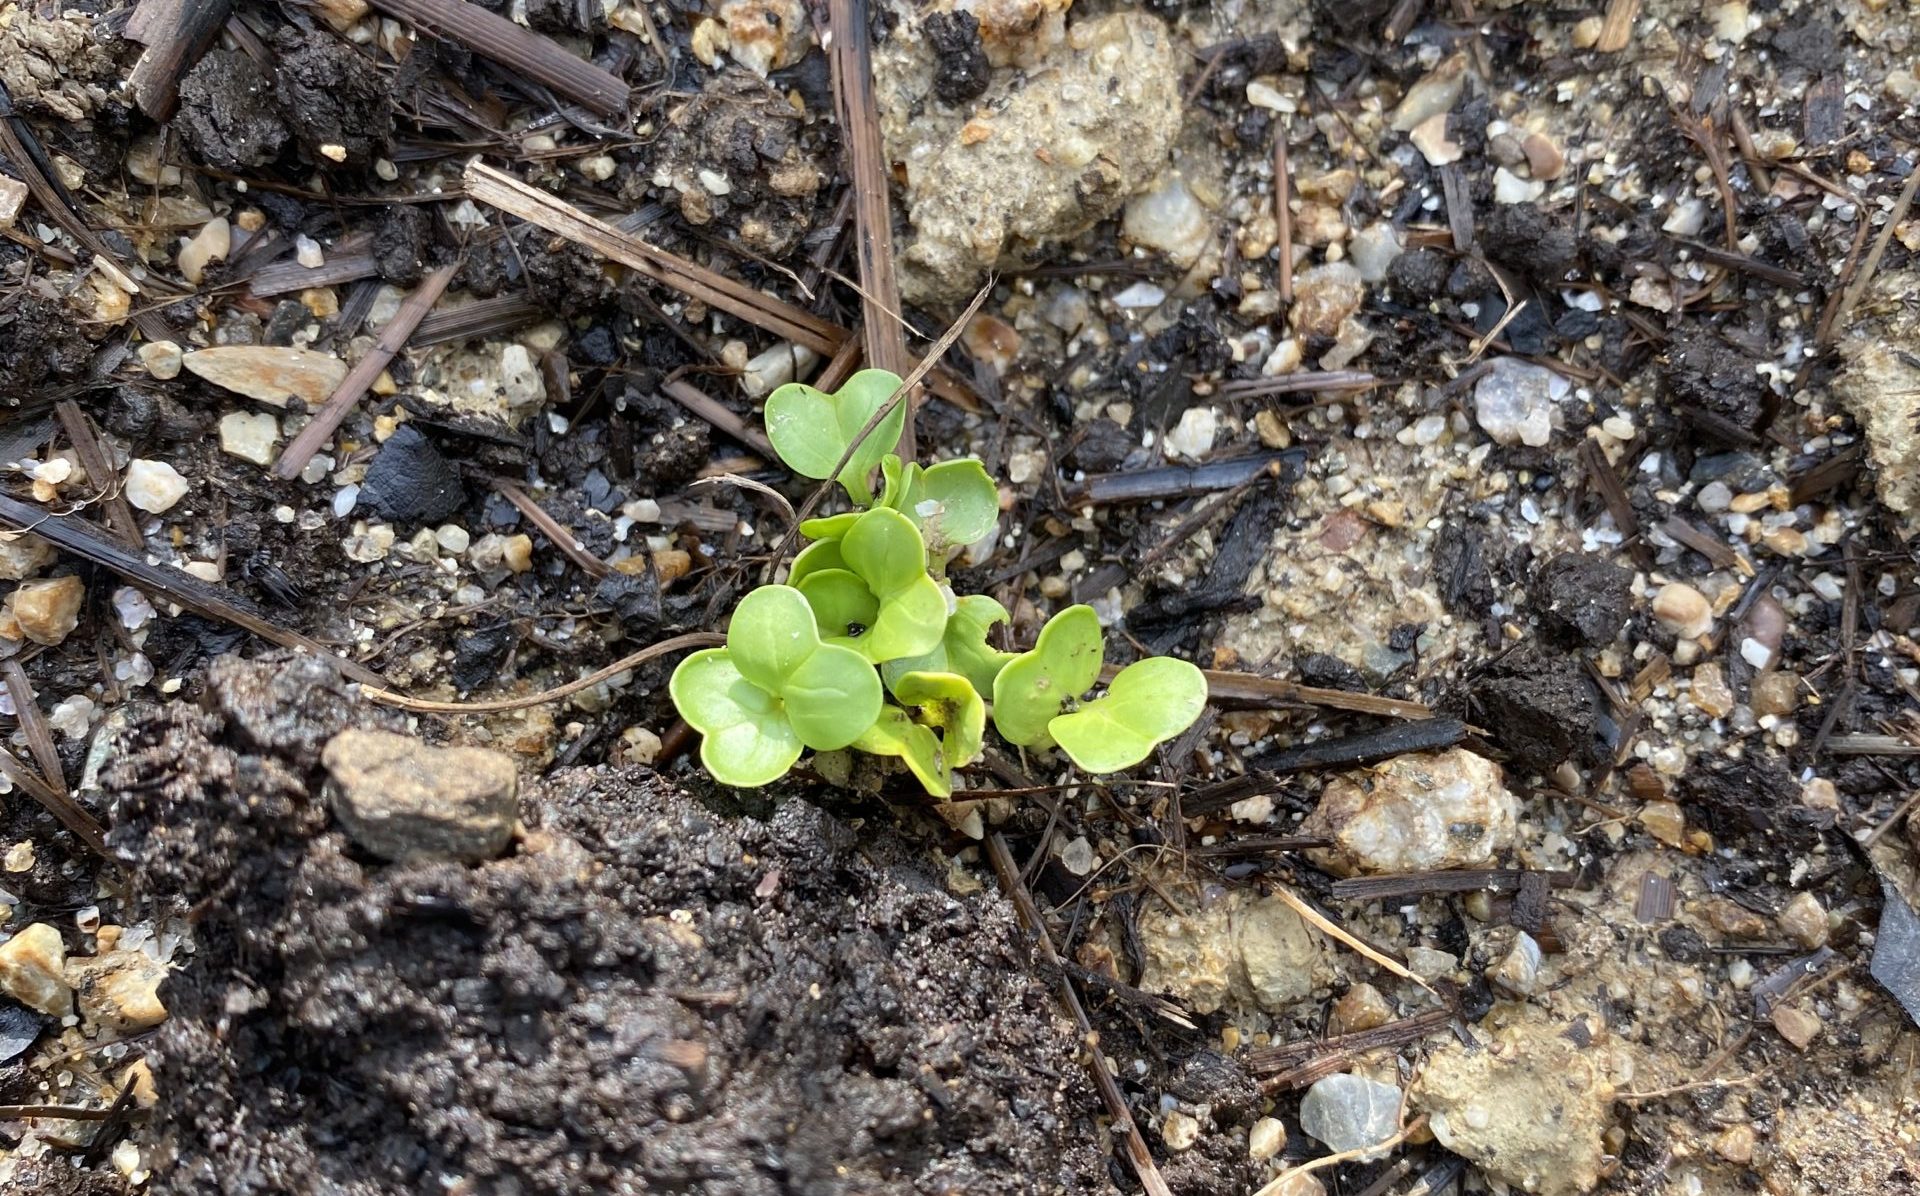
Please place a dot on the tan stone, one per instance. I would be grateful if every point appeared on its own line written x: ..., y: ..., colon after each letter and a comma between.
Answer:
x: 45, y: 612
x: 120, y: 990
x: 1362, y: 1007
x: 1416, y: 813
x: 270, y: 374
x: 32, y: 966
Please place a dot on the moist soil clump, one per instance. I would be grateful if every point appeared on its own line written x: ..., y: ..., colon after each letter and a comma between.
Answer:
x: 647, y: 992
x: 226, y: 112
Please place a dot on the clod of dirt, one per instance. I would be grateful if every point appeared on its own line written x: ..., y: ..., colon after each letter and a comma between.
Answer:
x: 566, y: 16
x: 1540, y: 708
x: 478, y: 654
x: 1416, y: 813
x: 410, y: 483
x: 1582, y: 598
x: 1879, y: 385
x: 334, y: 99
x: 1420, y: 274
x: 733, y: 158
x: 650, y: 995
x: 38, y: 340
x: 1530, y: 1108
x: 56, y: 64
x: 405, y: 801
x: 962, y: 72
x: 400, y: 244
x: 1529, y: 240
x: 1237, y: 950
x: 1718, y: 386
x: 226, y: 115
x: 1065, y: 145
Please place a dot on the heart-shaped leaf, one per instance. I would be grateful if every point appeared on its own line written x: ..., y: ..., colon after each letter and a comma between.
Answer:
x: 832, y: 697
x: 842, y: 603
x: 811, y: 429
x: 772, y: 634
x: 948, y: 701
x: 1147, y: 703
x: 894, y: 734
x: 815, y: 558
x: 746, y: 740
x: 885, y: 550
x: 1063, y: 664
x: 963, y: 647
x: 954, y: 503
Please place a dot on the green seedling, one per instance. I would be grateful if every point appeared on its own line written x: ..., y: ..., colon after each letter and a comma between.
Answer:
x: 885, y: 552
x: 963, y: 648
x: 1064, y: 663
x: 953, y: 503
x: 774, y: 689
x: 1146, y: 704
x: 947, y: 702
x: 812, y: 430
x: 799, y: 667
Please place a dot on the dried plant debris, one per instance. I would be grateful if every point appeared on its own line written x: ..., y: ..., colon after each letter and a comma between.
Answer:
x: 1511, y: 407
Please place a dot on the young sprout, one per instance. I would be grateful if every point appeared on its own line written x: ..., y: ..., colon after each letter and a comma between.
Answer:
x: 805, y: 661
x: 812, y: 430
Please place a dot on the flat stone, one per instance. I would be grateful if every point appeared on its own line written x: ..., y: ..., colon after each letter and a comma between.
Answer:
x: 410, y: 482
x: 1418, y: 813
x: 1348, y: 1112
x: 271, y: 374
x: 249, y: 435
x: 1527, y: 1103
x: 402, y: 800
x: 32, y: 967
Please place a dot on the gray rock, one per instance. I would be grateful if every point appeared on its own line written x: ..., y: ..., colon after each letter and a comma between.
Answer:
x: 402, y: 800
x: 1347, y: 1112
x: 1513, y: 403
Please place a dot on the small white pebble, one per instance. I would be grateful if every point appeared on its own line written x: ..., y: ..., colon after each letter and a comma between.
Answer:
x: 306, y: 251
x: 154, y: 486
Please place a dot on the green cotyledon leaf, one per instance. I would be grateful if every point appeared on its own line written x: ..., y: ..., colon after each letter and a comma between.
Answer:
x: 815, y: 558
x: 948, y: 702
x: 842, y: 603
x: 885, y: 550
x: 829, y: 527
x: 963, y: 647
x: 745, y: 739
x: 1147, y: 703
x: 811, y: 430
x: 1062, y: 665
x: 954, y: 503
x: 772, y: 633
x: 895, y: 734
x: 832, y: 697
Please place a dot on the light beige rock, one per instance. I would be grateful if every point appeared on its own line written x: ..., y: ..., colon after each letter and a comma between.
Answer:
x: 1434, y: 94
x: 32, y: 966
x: 154, y: 486
x: 45, y: 612
x: 162, y: 359
x: 1361, y: 1007
x: 23, y: 554
x: 1880, y: 384
x: 249, y: 435
x: 1683, y: 610
x: 1804, y: 920
x: 1238, y: 949
x: 1525, y: 1103
x: 211, y: 244
x: 1070, y: 140
x: 1323, y: 297
x: 401, y: 799
x: 1417, y: 813
x: 1267, y: 1138
x: 119, y: 991
x: 13, y: 197
x: 270, y: 374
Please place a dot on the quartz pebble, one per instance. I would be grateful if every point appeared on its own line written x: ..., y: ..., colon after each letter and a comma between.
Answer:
x: 45, y: 612
x: 1193, y: 436
x: 1710, y: 691
x: 1416, y: 813
x: 1775, y: 694
x: 1804, y: 920
x: 32, y: 970
x: 1373, y: 250
x: 307, y: 252
x: 13, y: 197
x: 1361, y: 1007
x: 1665, y: 822
x: 1323, y: 297
x: 1180, y: 1131
x: 22, y: 555
x: 161, y: 359
x: 1348, y: 1112
x: 1168, y: 218
x: 1514, y: 402
x: 1519, y: 971
x: 119, y: 991
x: 1077, y: 856
x: 154, y: 486
x: 1683, y: 610
x: 270, y: 374
x: 249, y: 435
x: 1267, y: 1138
x: 211, y: 244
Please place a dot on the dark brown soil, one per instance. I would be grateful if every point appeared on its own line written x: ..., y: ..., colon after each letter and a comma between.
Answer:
x: 650, y: 995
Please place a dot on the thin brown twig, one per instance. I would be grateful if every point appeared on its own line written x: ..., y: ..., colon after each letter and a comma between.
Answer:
x: 692, y: 639
x: 100, y: 471
x: 555, y: 531
x: 1861, y: 281
x: 522, y: 51
x: 71, y: 814
x: 498, y: 189
x: 26, y: 708
x: 393, y: 338
x: 1283, y: 210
